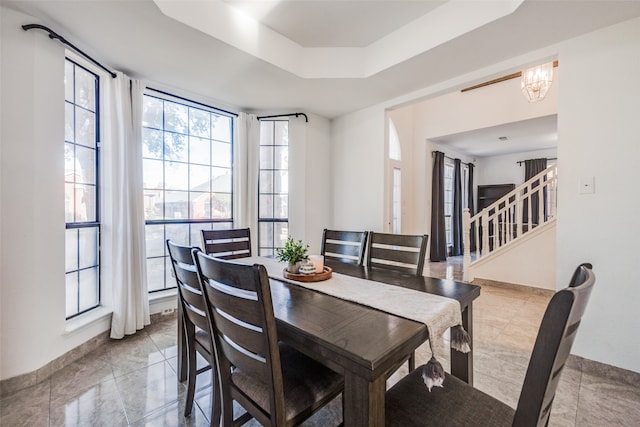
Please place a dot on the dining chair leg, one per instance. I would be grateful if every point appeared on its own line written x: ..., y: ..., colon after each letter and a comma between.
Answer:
x: 216, y: 401
x: 226, y: 407
x: 191, y: 380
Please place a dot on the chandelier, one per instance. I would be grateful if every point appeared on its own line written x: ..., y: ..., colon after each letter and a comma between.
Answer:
x: 536, y: 81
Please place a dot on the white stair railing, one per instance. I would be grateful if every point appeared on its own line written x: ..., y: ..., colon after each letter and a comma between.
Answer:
x: 511, y: 216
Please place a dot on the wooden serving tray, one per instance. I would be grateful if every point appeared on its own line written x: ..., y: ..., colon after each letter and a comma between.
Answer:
x: 316, y: 277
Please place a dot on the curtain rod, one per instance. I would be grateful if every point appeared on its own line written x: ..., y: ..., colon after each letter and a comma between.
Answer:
x: 192, y: 101
x: 499, y: 79
x: 520, y: 162
x: 306, y: 119
x: 53, y: 35
x: 450, y: 158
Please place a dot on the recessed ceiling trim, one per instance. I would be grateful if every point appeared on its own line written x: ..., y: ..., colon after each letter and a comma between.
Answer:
x: 232, y: 26
x: 433, y: 29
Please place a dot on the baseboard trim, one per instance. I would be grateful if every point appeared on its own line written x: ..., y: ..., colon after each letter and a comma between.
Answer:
x: 513, y: 286
x: 11, y: 385
x: 619, y: 375
x: 19, y: 382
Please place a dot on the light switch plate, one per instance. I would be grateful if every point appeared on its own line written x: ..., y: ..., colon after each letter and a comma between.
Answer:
x: 588, y: 185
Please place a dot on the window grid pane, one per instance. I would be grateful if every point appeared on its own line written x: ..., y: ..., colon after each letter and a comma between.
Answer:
x: 82, y: 217
x: 188, y: 178
x: 273, y: 186
x: 448, y: 202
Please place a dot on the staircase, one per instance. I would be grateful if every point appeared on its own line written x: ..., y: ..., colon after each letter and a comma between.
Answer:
x: 524, y: 211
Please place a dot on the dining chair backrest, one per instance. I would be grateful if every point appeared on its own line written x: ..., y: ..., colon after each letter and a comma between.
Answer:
x: 344, y: 246
x: 244, y: 329
x: 401, y: 252
x: 227, y: 244
x: 555, y: 337
x: 194, y: 325
x: 189, y: 290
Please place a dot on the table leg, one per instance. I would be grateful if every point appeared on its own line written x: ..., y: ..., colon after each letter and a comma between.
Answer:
x: 363, y: 401
x: 461, y: 363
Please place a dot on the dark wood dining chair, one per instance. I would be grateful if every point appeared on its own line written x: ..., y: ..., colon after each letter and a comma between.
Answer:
x: 227, y: 244
x: 401, y: 252
x: 409, y: 402
x: 194, y: 321
x: 276, y: 384
x: 344, y: 246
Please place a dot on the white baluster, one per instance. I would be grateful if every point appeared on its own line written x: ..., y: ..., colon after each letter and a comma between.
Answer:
x: 519, y: 214
x: 529, y: 223
x: 476, y: 224
x: 553, y: 203
x: 540, y: 201
x: 466, y: 258
x: 485, y: 232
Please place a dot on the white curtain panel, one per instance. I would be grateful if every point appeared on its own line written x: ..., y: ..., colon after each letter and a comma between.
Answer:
x: 123, y: 236
x: 298, y: 185
x: 247, y: 163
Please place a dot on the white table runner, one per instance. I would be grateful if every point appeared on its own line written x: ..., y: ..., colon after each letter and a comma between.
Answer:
x: 436, y: 312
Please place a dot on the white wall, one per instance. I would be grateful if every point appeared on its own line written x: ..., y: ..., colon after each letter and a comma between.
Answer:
x: 452, y: 113
x: 530, y: 261
x: 310, y: 180
x: 32, y: 284
x: 357, y: 168
x: 599, y: 128
x: 33, y: 330
x: 598, y: 132
x: 456, y: 111
x: 505, y: 169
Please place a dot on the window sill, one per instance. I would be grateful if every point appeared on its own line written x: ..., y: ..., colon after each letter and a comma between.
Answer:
x: 157, y: 300
x: 163, y: 295
x: 97, y: 315
x: 163, y: 300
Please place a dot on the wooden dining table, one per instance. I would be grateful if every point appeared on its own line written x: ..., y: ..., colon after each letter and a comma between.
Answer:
x: 362, y: 343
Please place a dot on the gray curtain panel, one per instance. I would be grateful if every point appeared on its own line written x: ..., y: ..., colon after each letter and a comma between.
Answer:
x: 532, y: 167
x: 438, y: 237
x: 456, y: 220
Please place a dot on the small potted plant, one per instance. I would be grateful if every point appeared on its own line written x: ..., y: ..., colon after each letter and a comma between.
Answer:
x: 293, y: 253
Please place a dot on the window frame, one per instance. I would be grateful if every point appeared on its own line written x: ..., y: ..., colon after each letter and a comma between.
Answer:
x: 269, y: 250
x: 450, y: 194
x: 448, y: 202
x: 96, y: 223
x: 194, y: 225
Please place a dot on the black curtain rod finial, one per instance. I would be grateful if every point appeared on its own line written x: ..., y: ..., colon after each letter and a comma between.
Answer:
x: 55, y: 36
x: 306, y: 119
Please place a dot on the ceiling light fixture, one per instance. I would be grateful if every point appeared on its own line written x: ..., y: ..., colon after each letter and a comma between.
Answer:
x: 536, y: 81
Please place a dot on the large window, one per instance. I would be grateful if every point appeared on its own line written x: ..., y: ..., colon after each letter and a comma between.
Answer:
x: 82, y: 213
x: 187, y: 172
x: 448, y: 202
x: 449, y: 195
x: 273, y: 197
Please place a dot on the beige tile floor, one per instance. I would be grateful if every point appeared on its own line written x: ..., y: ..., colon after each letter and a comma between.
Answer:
x: 133, y: 381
